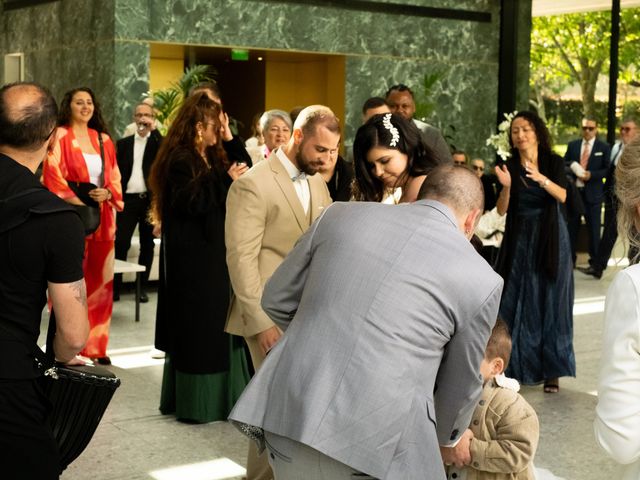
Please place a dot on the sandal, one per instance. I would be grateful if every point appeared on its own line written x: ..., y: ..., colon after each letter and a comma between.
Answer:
x: 551, y: 385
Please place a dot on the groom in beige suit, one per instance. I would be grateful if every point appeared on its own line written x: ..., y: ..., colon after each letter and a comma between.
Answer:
x: 268, y: 209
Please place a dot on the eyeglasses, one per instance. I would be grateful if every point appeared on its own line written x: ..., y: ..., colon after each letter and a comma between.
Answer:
x: 478, y: 168
x: 588, y: 129
x: 458, y: 163
x: 626, y: 129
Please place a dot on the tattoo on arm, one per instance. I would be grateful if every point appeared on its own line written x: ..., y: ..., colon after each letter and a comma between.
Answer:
x: 80, y: 291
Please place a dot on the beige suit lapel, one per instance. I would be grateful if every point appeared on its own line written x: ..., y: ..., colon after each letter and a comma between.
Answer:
x: 286, y: 185
x: 319, y: 194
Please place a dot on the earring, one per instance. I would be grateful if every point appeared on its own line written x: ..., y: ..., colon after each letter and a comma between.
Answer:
x: 199, y: 139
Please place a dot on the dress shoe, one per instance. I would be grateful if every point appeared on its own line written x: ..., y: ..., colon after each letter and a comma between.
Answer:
x: 157, y: 354
x: 590, y: 271
x: 144, y: 298
x: 102, y: 360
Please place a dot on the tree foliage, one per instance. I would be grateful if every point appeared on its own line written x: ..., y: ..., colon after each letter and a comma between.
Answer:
x: 574, y: 49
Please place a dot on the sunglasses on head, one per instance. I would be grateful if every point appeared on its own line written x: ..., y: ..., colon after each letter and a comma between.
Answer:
x: 589, y: 129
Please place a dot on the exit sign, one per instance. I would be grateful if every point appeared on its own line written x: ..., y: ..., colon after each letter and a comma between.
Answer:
x: 239, y: 54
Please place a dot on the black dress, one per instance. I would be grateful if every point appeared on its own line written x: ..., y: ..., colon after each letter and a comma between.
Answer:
x: 535, y: 262
x: 205, y: 368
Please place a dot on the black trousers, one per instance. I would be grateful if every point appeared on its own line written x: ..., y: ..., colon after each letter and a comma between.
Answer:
x: 592, y: 212
x: 28, y: 450
x: 136, y: 210
x: 609, y: 234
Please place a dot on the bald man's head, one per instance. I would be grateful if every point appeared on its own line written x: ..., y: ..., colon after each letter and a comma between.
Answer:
x: 455, y: 186
x: 28, y: 114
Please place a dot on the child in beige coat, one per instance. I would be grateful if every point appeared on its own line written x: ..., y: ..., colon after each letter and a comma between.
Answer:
x: 504, y: 428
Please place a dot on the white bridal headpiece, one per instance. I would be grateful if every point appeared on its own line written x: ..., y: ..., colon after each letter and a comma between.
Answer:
x: 395, y: 135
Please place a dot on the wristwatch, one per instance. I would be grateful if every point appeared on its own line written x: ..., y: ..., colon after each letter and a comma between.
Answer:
x: 545, y: 183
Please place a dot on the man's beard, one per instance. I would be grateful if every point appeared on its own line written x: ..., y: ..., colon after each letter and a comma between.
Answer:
x: 305, y: 165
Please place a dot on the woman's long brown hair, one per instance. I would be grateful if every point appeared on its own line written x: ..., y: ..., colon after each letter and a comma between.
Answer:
x: 182, y: 134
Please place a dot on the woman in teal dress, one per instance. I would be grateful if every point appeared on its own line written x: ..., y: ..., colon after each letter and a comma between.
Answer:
x: 535, y: 257
x: 205, y: 368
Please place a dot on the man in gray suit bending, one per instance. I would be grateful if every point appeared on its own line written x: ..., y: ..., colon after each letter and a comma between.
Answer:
x: 387, y: 311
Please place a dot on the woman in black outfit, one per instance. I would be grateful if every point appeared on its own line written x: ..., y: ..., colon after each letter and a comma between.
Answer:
x: 535, y: 257
x: 205, y: 369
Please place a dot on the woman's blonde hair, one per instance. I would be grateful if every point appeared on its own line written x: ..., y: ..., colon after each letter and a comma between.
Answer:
x: 628, y: 193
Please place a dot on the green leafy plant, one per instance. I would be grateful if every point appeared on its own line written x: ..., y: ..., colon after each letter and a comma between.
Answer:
x: 424, y: 103
x: 168, y: 100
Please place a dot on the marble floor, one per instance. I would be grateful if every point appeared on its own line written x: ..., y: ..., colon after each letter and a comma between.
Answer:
x: 135, y: 442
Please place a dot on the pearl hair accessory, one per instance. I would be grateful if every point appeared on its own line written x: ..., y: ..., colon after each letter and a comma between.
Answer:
x: 395, y: 135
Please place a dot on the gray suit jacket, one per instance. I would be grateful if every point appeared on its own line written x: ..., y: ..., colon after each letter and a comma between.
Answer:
x: 384, y: 305
x: 435, y: 141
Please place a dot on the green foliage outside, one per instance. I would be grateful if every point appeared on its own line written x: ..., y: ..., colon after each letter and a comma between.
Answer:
x: 574, y: 49
x: 564, y: 116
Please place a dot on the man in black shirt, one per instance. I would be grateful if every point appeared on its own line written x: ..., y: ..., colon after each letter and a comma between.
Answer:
x: 41, y: 247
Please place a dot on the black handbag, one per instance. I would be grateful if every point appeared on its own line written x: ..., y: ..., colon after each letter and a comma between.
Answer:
x: 89, y: 212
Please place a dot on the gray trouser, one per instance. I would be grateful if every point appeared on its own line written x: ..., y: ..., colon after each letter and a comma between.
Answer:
x: 291, y: 460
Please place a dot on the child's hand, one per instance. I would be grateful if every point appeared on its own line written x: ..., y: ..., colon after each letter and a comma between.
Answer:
x: 460, y: 455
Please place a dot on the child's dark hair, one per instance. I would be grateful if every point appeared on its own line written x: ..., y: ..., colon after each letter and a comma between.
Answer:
x: 499, y: 344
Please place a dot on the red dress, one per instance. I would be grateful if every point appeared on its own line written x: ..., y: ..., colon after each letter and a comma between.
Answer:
x: 67, y: 163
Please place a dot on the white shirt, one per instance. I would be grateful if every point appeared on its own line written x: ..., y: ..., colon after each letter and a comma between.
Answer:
x: 136, y: 182
x: 94, y: 167
x: 301, y: 184
x: 616, y: 153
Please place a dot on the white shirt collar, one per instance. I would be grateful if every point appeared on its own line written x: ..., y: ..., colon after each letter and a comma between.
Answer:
x: 288, y: 165
x: 140, y: 138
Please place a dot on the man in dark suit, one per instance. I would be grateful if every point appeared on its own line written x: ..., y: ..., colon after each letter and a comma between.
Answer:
x: 490, y: 183
x: 628, y: 131
x: 588, y: 162
x: 135, y: 155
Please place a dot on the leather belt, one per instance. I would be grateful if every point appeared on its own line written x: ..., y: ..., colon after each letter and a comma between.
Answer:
x: 136, y: 195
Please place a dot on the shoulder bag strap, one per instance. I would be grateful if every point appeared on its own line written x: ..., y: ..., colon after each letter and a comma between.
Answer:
x: 101, y: 156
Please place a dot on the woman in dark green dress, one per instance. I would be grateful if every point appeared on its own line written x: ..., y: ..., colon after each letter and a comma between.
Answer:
x: 205, y: 368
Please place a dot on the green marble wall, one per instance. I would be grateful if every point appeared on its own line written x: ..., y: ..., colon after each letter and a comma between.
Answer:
x: 66, y: 44
x: 381, y: 49
x: 104, y: 44
x: 523, y: 48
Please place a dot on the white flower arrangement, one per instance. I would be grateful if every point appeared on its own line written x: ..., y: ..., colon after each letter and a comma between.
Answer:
x: 500, y: 141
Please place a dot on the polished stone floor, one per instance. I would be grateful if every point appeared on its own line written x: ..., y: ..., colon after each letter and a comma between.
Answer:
x: 135, y: 442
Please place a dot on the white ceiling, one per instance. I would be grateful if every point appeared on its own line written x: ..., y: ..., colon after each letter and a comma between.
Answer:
x: 556, y: 7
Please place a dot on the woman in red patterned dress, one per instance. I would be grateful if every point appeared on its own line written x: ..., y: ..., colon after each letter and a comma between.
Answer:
x: 77, y: 158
